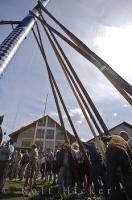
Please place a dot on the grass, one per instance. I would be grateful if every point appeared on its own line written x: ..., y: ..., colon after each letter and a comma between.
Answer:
x: 14, y: 190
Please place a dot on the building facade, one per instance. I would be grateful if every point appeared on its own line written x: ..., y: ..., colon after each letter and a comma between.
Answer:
x: 45, y: 132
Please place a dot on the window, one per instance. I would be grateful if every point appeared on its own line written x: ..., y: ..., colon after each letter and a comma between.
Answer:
x: 42, y: 123
x: 50, y: 123
x: 60, y: 136
x: 50, y: 134
x: 29, y: 133
x: 40, y: 133
x: 26, y: 143
x: 49, y: 144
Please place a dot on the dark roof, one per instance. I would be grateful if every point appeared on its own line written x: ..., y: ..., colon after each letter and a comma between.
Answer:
x: 125, y: 123
x: 15, y: 133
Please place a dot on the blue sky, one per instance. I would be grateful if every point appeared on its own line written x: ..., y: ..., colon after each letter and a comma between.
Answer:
x: 105, y: 26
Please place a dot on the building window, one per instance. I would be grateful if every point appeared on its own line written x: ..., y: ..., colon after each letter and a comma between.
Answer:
x: 40, y: 133
x: 50, y: 123
x: 49, y: 144
x: 28, y: 134
x: 50, y: 134
x: 26, y: 143
x: 60, y: 136
x: 42, y: 123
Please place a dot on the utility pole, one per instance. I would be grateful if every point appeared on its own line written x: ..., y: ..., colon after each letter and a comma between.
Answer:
x: 10, y: 45
x: 43, y: 132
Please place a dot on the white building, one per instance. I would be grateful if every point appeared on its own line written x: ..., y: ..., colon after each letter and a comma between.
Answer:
x: 45, y: 132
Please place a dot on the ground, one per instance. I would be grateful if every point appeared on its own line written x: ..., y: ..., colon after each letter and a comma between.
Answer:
x: 14, y: 191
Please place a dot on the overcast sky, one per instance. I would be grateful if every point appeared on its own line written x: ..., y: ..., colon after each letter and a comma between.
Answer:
x: 106, y: 28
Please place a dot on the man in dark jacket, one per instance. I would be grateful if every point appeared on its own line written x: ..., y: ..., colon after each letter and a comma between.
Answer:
x: 23, y: 164
x: 65, y: 162
x: 98, y: 169
x: 119, y: 166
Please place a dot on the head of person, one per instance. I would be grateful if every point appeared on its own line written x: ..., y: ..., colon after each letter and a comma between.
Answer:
x: 124, y: 135
x: 11, y: 142
x: 75, y: 146
x: 106, y: 139
x: 34, y: 146
x: 66, y: 147
x: 60, y: 146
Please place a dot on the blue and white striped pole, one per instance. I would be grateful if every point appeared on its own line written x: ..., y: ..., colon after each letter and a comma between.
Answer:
x: 11, y: 44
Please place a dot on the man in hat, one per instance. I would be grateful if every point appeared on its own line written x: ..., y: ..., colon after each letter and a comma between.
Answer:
x: 119, y: 166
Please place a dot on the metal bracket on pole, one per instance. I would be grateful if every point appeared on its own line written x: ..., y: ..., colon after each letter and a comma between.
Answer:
x: 11, y: 44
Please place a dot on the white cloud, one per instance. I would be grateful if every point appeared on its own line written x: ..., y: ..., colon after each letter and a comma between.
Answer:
x: 115, y: 114
x: 125, y: 106
x: 112, y: 47
x: 76, y: 115
x: 54, y: 114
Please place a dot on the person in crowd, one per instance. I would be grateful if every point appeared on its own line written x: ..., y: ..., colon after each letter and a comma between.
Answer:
x: 23, y: 164
x: 98, y: 169
x: 39, y: 163
x: 65, y: 162
x: 79, y: 166
x: 31, y: 168
x: 119, y: 166
x: 15, y: 166
x: 55, y: 167
x: 49, y: 165
x: 43, y: 165
x: 128, y: 139
x: 6, y: 151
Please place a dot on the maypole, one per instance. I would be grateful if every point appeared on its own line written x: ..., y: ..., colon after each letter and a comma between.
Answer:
x: 11, y: 44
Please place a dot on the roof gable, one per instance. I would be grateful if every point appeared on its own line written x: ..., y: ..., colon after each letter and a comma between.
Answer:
x: 24, y: 128
x: 123, y: 123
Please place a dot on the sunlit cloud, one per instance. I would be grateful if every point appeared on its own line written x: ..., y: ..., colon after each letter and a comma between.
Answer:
x: 125, y: 106
x: 115, y: 46
x: 115, y: 114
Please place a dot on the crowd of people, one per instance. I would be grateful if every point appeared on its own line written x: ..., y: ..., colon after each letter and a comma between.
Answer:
x: 109, y: 174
